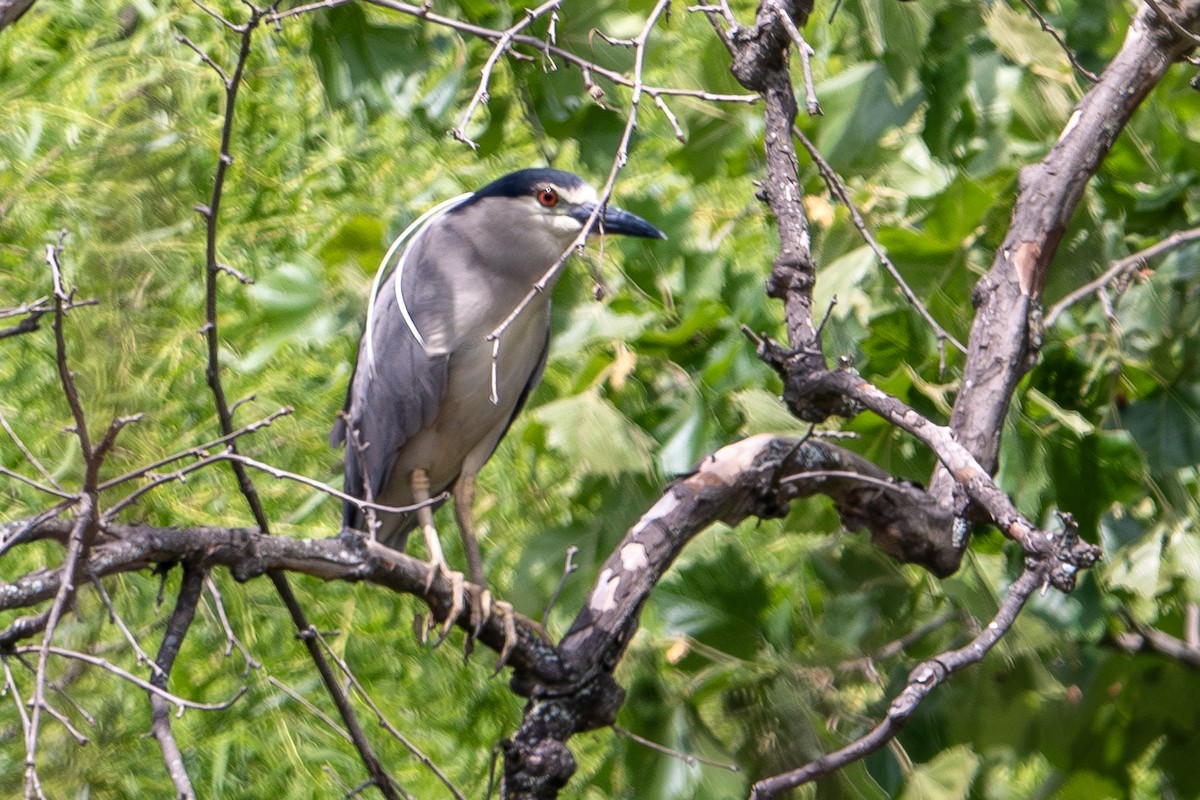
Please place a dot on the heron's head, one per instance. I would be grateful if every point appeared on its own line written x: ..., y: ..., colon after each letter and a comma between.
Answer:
x: 556, y: 202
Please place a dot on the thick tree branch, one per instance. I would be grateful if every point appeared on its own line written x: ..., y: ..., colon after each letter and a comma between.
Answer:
x: 1006, y: 334
x: 248, y: 554
x: 760, y: 63
x: 571, y: 686
x: 13, y: 10
x: 749, y: 478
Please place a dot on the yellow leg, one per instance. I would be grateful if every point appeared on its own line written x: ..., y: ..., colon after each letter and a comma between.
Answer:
x: 420, y: 490
x: 437, y: 559
x: 464, y: 499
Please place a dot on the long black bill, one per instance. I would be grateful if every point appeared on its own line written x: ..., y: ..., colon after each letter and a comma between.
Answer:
x: 618, y: 220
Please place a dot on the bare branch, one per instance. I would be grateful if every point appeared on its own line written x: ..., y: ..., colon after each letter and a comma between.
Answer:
x: 59, y: 493
x: 812, y: 105
x: 687, y: 758
x: 386, y: 724
x: 1144, y: 638
x: 213, y: 269
x: 28, y: 455
x: 235, y: 458
x: 842, y: 192
x: 115, y: 618
x: 546, y: 48
x: 64, y: 596
x: 926, y: 677
x: 485, y: 75
x: 34, y: 789
x: 1048, y: 28
x: 61, y: 297
x: 23, y: 628
x: 198, y: 451
x: 1006, y: 333
x: 1175, y: 25
x: 309, y: 706
x: 231, y: 638
x: 173, y: 636
x: 605, y: 193
x: 1117, y: 274
x: 96, y: 661
x: 249, y: 554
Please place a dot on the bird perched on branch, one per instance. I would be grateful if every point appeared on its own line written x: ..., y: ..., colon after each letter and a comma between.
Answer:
x: 457, y: 331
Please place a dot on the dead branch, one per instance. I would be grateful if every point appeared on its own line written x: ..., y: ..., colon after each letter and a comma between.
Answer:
x: 1006, y: 335
x: 923, y: 679
x: 160, y: 717
x: 212, y: 271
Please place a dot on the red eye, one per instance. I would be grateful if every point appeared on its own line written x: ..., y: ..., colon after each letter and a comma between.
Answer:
x: 548, y: 197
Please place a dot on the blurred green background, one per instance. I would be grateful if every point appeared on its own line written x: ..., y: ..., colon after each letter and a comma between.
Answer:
x: 751, y: 650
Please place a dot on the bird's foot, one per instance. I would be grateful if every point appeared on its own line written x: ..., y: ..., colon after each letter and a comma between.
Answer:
x: 481, y: 610
x: 457, y: 584
x: 505, y: 612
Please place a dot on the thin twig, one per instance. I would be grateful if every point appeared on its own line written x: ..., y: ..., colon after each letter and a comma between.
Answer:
x: 837, y: 473
x: 34, y: 790
x: 688, y: 758
x: 926, y: 677
x: 485, y: 75
x: 199, y: 450
x: 622, y: 155
x: 175, y: 700
x: 312, y: 709
x: 41, y: 487
x: 1048, y: 28
x: 28, y: 454
x: 1118, y: 270
x: 275, y: 472
x: 569, y: 567
x: 142, y: 656
x: 231, y: 639
x: 839, y: 189
x: 666, y: 110
x: 546, y: 48
x: 386, y: 724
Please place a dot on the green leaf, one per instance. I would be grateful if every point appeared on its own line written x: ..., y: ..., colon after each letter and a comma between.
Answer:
x: 947, y: 777
x: 1138, y: 569
x: 1085, y: 785
x: 1020, y: 38
x: 719, y: 600
x: 1167, y: 427
x: 589, y: 431
x: 859, y: 108
x: 763, y: 412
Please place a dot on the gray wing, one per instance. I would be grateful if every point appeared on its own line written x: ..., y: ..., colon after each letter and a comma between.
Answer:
x: 388, y: 405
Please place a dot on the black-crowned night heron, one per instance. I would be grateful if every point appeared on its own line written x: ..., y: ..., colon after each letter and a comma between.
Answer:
x: 432, y: 394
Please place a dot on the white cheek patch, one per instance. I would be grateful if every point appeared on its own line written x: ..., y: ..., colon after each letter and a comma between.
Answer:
x: 581, y: 194
x: 565, y: 224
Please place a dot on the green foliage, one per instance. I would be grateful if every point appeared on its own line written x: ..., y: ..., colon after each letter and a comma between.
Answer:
x: 752, y: 649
